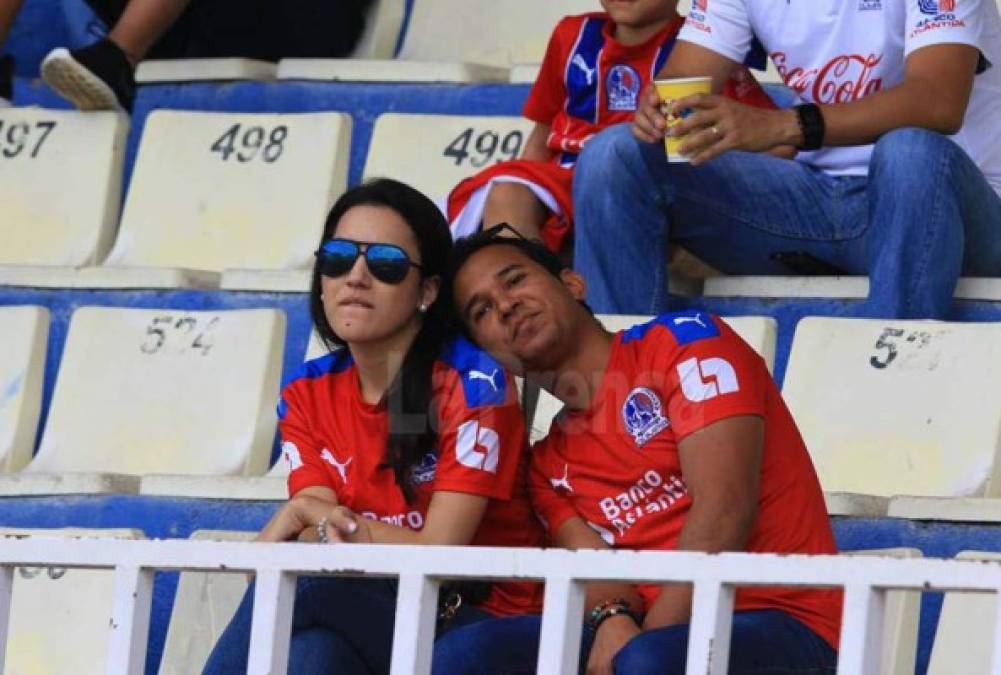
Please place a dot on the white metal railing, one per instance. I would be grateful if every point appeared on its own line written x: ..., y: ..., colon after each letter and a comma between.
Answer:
x: 865, y: 580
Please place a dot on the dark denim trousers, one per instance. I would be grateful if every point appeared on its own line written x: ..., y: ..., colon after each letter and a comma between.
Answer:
x: 924, y: 215
x: 763, y: 642
x: 339, y: 625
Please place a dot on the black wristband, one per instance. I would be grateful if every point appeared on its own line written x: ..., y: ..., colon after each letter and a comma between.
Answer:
x: 811, y: 123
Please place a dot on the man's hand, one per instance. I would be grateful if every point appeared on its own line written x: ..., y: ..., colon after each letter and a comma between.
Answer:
x: 717, y: 124
x: 649, y: 124
x: 613, y: 634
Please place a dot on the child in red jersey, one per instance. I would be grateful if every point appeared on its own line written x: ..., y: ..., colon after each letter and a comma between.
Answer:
x: 594, y: 69
x: 402, y: 435
x: 673, y: 437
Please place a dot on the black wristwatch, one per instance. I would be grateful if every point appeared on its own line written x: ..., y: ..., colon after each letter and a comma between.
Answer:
x: 811, y: 123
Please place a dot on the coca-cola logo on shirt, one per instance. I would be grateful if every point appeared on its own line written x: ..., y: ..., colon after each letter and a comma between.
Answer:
x: 844, y: 78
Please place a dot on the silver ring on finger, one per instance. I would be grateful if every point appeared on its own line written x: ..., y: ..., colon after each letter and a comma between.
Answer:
x: 716, y: 132
x: 321, y: 531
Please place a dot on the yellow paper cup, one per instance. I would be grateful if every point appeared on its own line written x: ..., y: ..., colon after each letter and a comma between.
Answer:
x: 671, y: 90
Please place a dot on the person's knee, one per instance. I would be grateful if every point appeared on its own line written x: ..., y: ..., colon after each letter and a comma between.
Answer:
x: 909, y: 149
x: 653, y: 653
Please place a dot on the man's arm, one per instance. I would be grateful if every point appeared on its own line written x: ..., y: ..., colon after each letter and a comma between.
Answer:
x: 721, y: 464
x: 933, y: 95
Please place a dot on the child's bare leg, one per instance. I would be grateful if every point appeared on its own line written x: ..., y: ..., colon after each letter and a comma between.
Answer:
x: 142, y: 23
x: 516, y: 204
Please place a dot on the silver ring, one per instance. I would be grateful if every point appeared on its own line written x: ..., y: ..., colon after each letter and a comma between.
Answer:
x: 321, y: 531
x: 715, y: 131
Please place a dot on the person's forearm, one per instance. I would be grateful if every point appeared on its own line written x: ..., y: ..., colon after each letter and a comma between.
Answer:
x: 536, y: 148
x: 708, y: 529
x: 911, y: 104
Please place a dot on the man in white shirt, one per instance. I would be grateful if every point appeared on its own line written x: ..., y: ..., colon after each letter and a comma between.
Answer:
x: 898, y: 176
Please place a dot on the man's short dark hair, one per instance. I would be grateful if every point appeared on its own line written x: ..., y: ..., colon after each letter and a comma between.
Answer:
x: 504, y: 235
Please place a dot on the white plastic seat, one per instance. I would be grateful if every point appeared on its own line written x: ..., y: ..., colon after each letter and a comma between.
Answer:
x: 951, y: 509
x: 900, y: 618
x: 60, y: 186
x: 213, y: 191
x: 203, y: 607
x: 434, y: 152
x: 24, y: 333
x: 144, y: 391
x: 452, y: 41
x: 899, y: 407
x: 758, y: 331
x: 60, y: 618
x: 968, y: 288
x: 273, y: 486
x: 152, y: 71
x: 965, y: 637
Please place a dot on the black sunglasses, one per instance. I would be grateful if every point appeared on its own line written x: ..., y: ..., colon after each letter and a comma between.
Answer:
x: 501, y: 230
x: 387, y: 263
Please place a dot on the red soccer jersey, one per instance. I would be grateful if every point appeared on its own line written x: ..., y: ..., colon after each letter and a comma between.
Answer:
x: 333, y: 438
x: 588, y: 81
x: 616, y: 464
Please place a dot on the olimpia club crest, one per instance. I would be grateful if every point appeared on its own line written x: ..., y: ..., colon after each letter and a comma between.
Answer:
x: 643, y: 416
x: 424, y: 470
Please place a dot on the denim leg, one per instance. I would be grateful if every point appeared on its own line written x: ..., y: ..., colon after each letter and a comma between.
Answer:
x: 495, y: 646
x: 357, y: 613
x: 933, y: 215
x: 763, y: 642
x: 620, y: 238
x: 734, y: 212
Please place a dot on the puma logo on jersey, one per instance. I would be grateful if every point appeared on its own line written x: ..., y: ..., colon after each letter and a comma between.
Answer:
x: 477, y: 447
x: 340, y: 467
x: 706, y: 379
x: 480, y: 375
x: 579, y: 61
x: 681, y: 320
x: 564, y: 482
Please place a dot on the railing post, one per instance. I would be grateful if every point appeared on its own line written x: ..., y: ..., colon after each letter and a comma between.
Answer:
x: 274, y: 596
x: 709, y: 630
x: 6, y: 588
x: 996, y: 657
x: 130, y: 620
x: 562, y: 621
x: 861, y: 647
x: 413, y: 634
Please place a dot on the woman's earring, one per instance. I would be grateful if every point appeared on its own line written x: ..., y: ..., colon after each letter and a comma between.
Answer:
x: 423, y: 308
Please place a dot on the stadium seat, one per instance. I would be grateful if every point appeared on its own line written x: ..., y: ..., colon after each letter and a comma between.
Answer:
x: 204, y: 604
x: 900, y: 618
x: 966, y: 633
x: 270, y: 487
x: 213, y: 191
x: 946, y: 509
x: 152, y: 71
x: 143, y: 391
x: 758, y: 331
x: 24, y: 333
x: 898, y: 407
x: 60, y: 186
x: 449, y: 41
x: 434, y: 152
x: 968, y: 288
x: 60, y: 618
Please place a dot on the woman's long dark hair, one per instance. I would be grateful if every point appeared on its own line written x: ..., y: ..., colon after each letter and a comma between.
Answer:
x: 412, y: 427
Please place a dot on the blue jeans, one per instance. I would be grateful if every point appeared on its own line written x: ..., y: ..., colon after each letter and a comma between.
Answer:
x: 763, y: 642
x: 924, y: 215
x: 339, y: 625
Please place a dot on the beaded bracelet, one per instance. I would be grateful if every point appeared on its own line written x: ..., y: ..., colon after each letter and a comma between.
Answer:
x: 609, y: 608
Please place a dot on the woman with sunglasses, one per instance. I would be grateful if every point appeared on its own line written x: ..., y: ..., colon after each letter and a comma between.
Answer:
x: 402, y: 435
